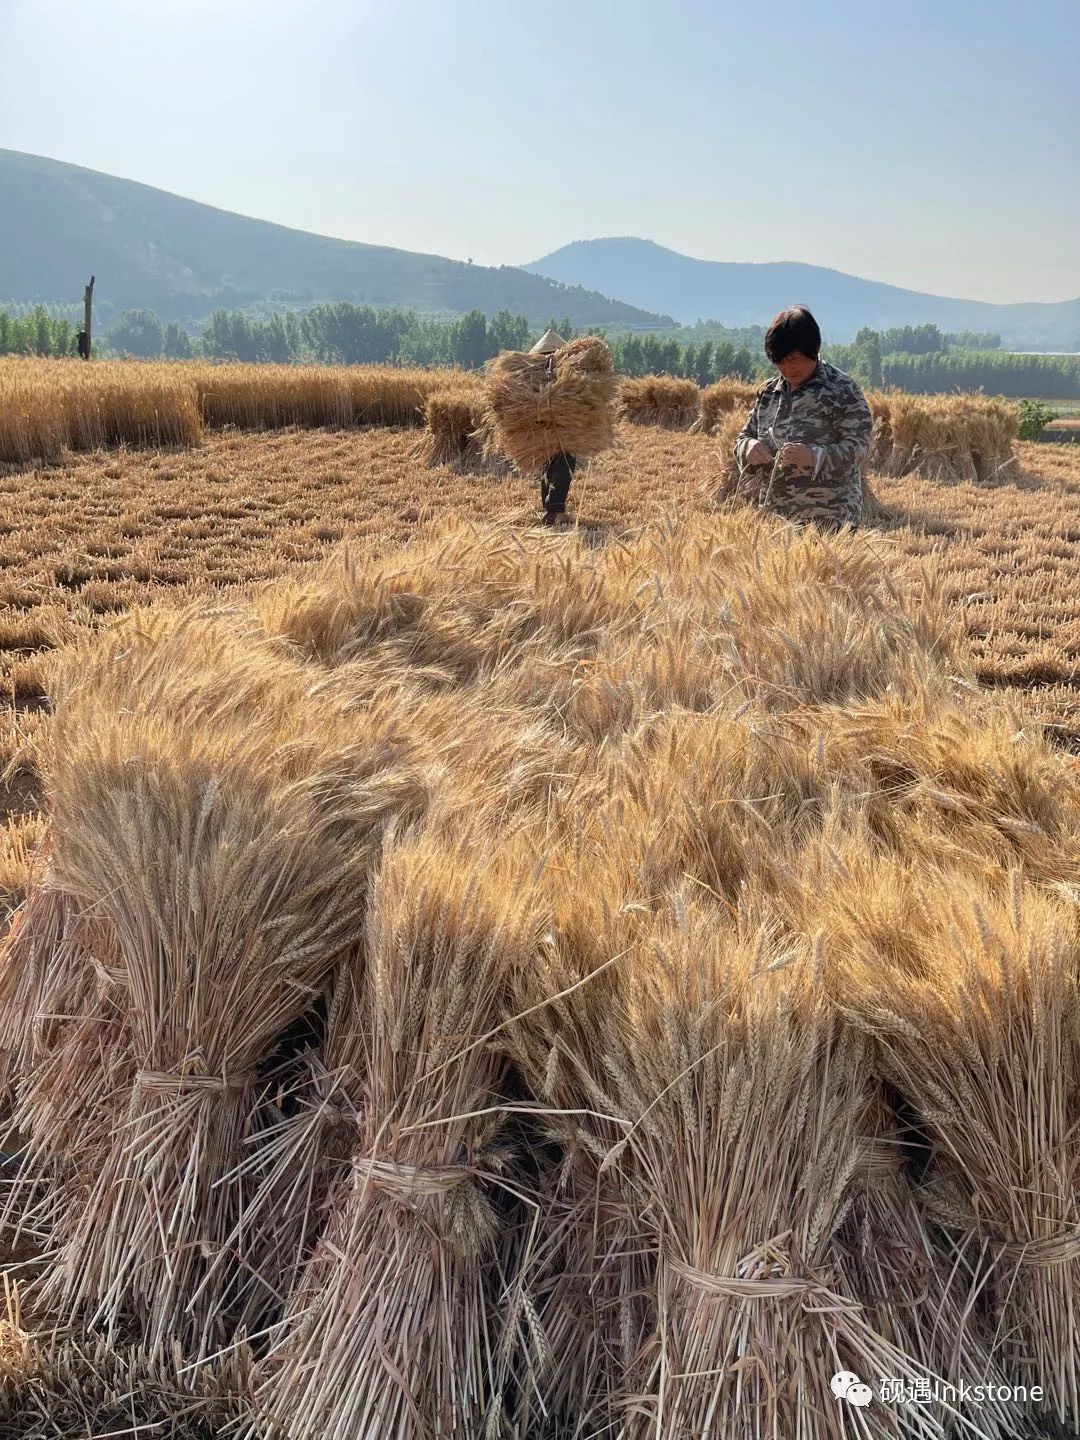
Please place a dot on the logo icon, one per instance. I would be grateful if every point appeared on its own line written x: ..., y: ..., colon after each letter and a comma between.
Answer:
x: 846, y: 1385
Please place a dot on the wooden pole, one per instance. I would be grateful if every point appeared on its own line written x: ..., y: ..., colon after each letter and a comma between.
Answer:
x: 88, y: 302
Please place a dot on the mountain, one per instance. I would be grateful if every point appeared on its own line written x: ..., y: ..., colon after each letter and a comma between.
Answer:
x: 181, y: 258
x: 647, y: 274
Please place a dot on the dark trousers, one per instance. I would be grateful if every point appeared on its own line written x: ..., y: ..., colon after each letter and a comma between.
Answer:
x: 555, y: 482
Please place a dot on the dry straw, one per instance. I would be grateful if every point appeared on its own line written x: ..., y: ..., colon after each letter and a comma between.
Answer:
x: 83, y: 1388
x: 957, y: 437
x: 662, y: 400
x: 391, y: 1330
x: 49, y: 406
x: 191, y: 965
x: 457, y: 431
x: 541, y: 404
x: 265, y: 397
x: 722, y: 398
x: 474, y: 974
x: 979, y: 1027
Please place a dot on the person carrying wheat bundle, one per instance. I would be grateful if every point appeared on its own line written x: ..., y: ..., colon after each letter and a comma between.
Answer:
x: 550, y: 407
x: 800, y: 452
x: 559, y: 470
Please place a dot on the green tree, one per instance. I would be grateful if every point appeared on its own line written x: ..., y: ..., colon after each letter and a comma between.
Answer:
x: 633, y: 355
x: 470, y: 342
x: 137, y: 332
x: 176, y: 344
x: 867, y: 358
x: 274, y: 342
x: 972, y: 340
x: 704, y: 373
x: 510, y: 332
x: 912, y: 340
x: 1034, y: 418
x: 42, y: 331
x: 745, y: 364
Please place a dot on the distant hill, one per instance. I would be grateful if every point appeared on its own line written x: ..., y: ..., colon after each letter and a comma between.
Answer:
x: 181, y: 258
x: 736, y: 294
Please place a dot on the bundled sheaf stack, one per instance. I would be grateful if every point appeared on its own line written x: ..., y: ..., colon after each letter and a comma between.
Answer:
x: 944, y: 437
x: 663, y: 400
x: 493, y: 987
x: 540, y: 404
x: 722, y: 398
x: 457, y: 431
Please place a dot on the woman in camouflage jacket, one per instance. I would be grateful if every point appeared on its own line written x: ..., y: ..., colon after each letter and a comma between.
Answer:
x: 801, y: 449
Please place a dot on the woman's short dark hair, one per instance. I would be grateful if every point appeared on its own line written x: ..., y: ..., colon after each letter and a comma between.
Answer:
x: 794, y: 329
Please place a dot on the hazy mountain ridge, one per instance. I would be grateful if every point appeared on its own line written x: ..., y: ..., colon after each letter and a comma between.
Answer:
x: 181, y: 258
x: 735, y: 293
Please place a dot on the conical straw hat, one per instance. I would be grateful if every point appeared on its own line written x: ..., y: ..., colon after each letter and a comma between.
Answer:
x: 548, y: 342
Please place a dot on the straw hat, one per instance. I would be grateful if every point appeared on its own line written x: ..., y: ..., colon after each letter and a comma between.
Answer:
x: 549, y: 342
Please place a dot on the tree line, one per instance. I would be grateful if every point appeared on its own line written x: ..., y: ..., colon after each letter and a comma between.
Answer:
x: 923, y: 360
x: 918, y: 358
x: 345, y: 334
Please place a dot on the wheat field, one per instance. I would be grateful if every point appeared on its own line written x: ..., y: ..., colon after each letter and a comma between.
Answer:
x: 463, y: 980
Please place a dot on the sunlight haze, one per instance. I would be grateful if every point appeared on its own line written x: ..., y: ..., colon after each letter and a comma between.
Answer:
x: 933, y: 146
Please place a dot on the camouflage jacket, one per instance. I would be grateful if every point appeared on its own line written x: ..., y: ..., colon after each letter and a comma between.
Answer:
x: 827, y: 413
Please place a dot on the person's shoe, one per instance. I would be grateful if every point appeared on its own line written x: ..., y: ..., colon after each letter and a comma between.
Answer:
x: 552, y: 517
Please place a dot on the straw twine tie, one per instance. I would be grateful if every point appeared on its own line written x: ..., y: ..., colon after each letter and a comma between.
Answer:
x: 1044, y: 1253
x: 405, y: 1182
x: 160, y: 1082
x: 760, y: 1287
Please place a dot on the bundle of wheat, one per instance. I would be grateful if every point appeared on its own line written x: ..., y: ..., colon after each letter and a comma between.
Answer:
x: 978, y: 1019
x: 992, y: 426
x: 218, y: 831
x: 390, y: 1331
x: 927, y: 439
x: 881, y: 444
x: 959, y: 437
x: 872, y: 507
x: 724, y: 397
x: 733, y: 484
x: 712, y: 1091
x: 543, y: 404
x: 895, y: 1268
x: 456, y: 432
x: 662, y: 400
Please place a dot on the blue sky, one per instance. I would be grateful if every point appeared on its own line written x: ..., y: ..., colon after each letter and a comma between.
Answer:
x: 934, y: 145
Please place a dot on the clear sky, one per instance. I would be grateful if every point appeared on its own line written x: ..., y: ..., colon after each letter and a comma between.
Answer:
x: 933, y: 144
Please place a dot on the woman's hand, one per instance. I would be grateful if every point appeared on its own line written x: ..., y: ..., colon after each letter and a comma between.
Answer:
x: 800, y: 455
x: 758, y: 454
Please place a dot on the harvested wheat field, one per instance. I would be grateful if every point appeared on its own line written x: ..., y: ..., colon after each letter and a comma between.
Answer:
x: 495, y: 983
